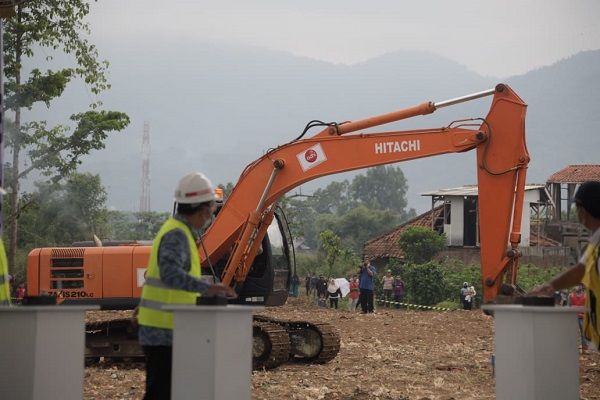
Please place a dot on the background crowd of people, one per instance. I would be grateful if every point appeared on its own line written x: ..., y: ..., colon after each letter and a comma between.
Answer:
x: 360, y: 290
x: 18, y: 291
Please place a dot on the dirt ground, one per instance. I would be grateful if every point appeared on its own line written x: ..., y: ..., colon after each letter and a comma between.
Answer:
x: 389, y: 355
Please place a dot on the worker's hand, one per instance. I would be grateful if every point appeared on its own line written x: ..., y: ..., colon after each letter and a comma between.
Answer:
x: 543, y: 290
x: 219, y: 290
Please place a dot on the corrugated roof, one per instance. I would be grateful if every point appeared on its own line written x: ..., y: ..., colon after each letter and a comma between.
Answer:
x: 470, y: 190
x: 576, y: 174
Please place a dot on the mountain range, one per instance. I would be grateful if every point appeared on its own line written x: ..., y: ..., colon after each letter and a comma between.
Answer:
x: 218, y: 108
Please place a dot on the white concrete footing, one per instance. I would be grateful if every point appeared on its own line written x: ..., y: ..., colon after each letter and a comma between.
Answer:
x: 536, y: 352
x: 42, y: 352
x: 212, y: 352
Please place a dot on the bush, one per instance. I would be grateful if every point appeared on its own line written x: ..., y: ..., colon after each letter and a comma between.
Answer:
x: 456, y: 273
x: 431, y: 283
x: 530, y: 276
x: 306, y: 264
x: 425, y: 282
x: 421, y: 245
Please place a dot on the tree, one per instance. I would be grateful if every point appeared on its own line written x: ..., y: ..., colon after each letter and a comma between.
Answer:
x: 382, y: 188
x: 68, y: 212
x: 357, y: 225
x: 339, y: 258
x: 301, y: 217
x: 55, y: 28
x: 331, y: 200
x: 421, y: 245
x: 332, y: 245
x: 120, y: 224
x: 362, y: 224
x: 86, y: 198
x: 148, y: 224
x: 357, y: 211
x: 56, y: 215
x: 227, y: 189
x: 142, y: 225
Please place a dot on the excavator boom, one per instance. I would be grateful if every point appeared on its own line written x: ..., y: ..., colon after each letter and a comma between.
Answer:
x: 502, y: 160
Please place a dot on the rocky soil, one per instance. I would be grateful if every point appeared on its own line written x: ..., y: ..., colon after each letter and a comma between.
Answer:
x: 389, y: 355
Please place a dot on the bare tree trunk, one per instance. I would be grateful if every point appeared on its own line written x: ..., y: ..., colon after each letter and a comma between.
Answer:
x: 12, y: 248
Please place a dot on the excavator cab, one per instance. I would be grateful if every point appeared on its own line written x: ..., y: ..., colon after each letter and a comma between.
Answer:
x: 269, y: 277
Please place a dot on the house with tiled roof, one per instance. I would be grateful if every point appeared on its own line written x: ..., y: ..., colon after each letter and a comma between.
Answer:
x: 455, y: 213
x: 563, y: 225
x: 385, y: 247
x: 562, y: 186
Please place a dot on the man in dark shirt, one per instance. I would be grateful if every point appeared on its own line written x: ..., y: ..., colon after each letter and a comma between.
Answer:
x: 313, y: 283
x: 173, y: 276
x: 366, y: 272
x: 321, y: 286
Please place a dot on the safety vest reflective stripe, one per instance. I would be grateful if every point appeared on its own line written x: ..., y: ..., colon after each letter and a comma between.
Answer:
x: 3, y: 278
x: 154, y: 305
x: 157, y: 293
x: 157, y: 283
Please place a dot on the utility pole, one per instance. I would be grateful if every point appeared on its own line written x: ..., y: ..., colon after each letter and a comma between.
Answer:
x: 145, y: 182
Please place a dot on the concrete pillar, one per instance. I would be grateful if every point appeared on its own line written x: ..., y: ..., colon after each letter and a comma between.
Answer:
x: 212, y: 352
x: 42, y: 352
x: 536, y: 351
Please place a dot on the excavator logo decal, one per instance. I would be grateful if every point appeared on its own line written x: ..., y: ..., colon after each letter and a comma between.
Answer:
x: 311, y: 157
x: 397, y: 147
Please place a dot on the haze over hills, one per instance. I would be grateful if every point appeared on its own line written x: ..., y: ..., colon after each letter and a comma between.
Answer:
x: 217, y: 108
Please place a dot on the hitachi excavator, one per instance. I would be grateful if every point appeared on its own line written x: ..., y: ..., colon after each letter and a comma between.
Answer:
x: 247, y: 244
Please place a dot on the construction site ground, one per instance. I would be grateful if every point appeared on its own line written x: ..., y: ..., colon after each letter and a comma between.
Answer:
x: 388, y: 355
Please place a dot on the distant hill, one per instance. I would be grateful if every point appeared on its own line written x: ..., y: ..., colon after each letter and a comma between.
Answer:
x: 217, y: 108
x: 563, y: 117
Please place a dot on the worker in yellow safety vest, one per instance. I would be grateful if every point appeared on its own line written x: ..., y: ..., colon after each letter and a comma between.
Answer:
x: 4, y: 277
x: 173, y: 277
x: 587, y: 270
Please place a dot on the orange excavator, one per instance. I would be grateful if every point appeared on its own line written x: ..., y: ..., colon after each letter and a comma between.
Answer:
x: 248, y: 246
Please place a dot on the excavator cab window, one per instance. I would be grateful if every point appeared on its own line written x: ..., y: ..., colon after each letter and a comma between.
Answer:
x: 279, y: 256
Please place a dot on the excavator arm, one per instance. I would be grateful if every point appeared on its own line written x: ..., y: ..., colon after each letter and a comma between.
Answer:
x: 502, y: 160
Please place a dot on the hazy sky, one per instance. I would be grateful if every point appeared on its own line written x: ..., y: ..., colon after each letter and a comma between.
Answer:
x: 493, y: 38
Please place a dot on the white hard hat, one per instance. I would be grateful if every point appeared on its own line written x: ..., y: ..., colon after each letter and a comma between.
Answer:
x: 195, y: 188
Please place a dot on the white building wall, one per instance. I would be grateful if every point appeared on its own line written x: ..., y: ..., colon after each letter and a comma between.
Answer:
x: 531, y: 196
x: 455, y: 231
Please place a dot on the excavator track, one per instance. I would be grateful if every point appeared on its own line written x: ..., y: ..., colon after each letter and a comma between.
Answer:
x: 270, y: 345
x: 274, y: 342
x: 114, y: 341
x: 316, y: 343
